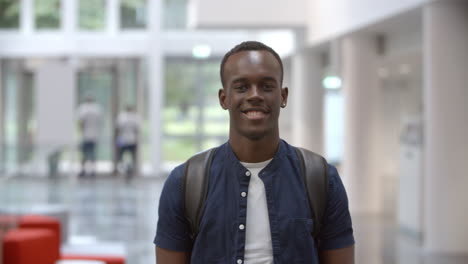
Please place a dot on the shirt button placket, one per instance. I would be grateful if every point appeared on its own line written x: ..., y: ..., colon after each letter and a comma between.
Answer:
x: 243, y: 194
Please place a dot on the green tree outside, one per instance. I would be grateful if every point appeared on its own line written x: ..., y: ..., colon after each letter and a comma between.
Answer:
x: 9, y: 14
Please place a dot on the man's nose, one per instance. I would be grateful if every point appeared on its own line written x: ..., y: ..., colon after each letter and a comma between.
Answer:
x: 255, y: 93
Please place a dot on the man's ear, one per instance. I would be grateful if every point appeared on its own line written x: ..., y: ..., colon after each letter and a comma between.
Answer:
x: 222, y: 98
x: 284, y: 96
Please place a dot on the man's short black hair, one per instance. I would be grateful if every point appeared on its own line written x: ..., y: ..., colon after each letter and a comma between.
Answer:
x: 248, y: 46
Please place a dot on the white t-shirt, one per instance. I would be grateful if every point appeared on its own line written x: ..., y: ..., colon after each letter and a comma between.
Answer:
x: 128, y: 125
x: 258, y: 246
x: 90, y: 115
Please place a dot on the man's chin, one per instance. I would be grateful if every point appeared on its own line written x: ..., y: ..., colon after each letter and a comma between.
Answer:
x: 255, y: 135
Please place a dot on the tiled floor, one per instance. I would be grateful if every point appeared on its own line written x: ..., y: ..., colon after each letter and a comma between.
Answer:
x: 116, y: 211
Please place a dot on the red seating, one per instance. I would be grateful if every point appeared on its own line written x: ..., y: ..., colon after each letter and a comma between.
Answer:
x: 40, y: 221
x: 8, y: 221
x: 30, y: 246
x: 37, y: 241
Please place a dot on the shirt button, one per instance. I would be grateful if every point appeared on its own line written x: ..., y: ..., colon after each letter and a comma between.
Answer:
x: 239, y: 261
x: 241, y: 227
x: 247, y: 173
x: 243, y: 194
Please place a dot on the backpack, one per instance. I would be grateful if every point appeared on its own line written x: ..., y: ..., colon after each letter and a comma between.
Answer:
x: 314, y: 169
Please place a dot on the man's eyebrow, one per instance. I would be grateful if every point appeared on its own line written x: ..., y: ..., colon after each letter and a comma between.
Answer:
x: 268, y: 78
x: 238, y: 80
x: 243, y: 79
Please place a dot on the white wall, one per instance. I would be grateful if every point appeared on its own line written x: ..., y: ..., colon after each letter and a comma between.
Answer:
x: 246, y: 13
x: 331, y: 18
x: 401, y: 98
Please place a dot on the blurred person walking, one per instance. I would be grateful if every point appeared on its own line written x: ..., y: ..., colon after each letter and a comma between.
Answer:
x: 89, y: 121
x: 127, y: 131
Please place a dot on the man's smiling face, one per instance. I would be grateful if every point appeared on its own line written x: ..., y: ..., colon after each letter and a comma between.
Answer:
x: 252, y: 93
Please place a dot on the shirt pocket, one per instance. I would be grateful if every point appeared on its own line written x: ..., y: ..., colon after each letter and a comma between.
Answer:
x: 298, y: 243
x: 302, y: 227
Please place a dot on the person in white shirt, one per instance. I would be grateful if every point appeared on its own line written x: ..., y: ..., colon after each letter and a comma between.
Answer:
x: 127, y: 131
x: 89, y: 121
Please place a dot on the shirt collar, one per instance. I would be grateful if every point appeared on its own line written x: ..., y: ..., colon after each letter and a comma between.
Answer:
x: 279, y: 155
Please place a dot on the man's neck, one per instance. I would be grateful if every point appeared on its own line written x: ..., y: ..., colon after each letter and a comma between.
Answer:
x: 253, y: 151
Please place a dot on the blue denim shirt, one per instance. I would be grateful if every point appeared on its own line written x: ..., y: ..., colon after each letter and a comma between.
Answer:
x: 220, y: 240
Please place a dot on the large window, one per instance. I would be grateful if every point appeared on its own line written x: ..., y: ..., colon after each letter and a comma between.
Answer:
x: 193, y: 119
x: 92, y: 14
x: 18, y: 114
x: 47, y: 14
x: 9, y: 14
x: 175, y: 14
x: 133, y: 13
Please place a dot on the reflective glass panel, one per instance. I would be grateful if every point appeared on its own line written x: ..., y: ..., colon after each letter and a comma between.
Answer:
x: 133, y: 13
x: 97, y: 83
x: 175, y: 14
x: 92, y: 14
x: 47, y: 14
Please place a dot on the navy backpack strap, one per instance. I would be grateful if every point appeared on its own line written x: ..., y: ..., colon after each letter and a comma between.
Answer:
x: 314, y: 169
x: 195, y: 188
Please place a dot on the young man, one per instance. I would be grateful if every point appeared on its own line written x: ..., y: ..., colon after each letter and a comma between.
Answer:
x: 128, y: 132
x: 257, y: 207
x: 89, y: 121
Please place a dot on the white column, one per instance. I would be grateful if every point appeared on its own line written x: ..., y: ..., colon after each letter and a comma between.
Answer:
x: 155, y: 84
x: 113, y: 14
x: 69, y: 16
x: 70, y: 25
x: 446, y: 126
x: 360, y: 93
x: 306, y: 101
x: 55, y: 102
x: 26, y: 17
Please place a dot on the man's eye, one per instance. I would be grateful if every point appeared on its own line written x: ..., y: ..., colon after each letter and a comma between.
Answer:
x: 268, y: 87
x: 241, y: 87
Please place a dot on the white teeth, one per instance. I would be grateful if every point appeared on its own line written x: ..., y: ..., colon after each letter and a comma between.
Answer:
x: 254, y: 113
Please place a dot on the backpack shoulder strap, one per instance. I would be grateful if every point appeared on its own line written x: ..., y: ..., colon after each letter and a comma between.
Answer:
x: 195, y: 187
x: 314, y: 170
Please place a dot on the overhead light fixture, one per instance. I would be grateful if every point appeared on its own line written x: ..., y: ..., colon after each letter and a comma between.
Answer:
x: 201, y: 51
x: 331, y: 82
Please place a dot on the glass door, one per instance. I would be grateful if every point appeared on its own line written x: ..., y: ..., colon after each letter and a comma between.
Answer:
x: 114, y: 84
x: 98, y: 83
